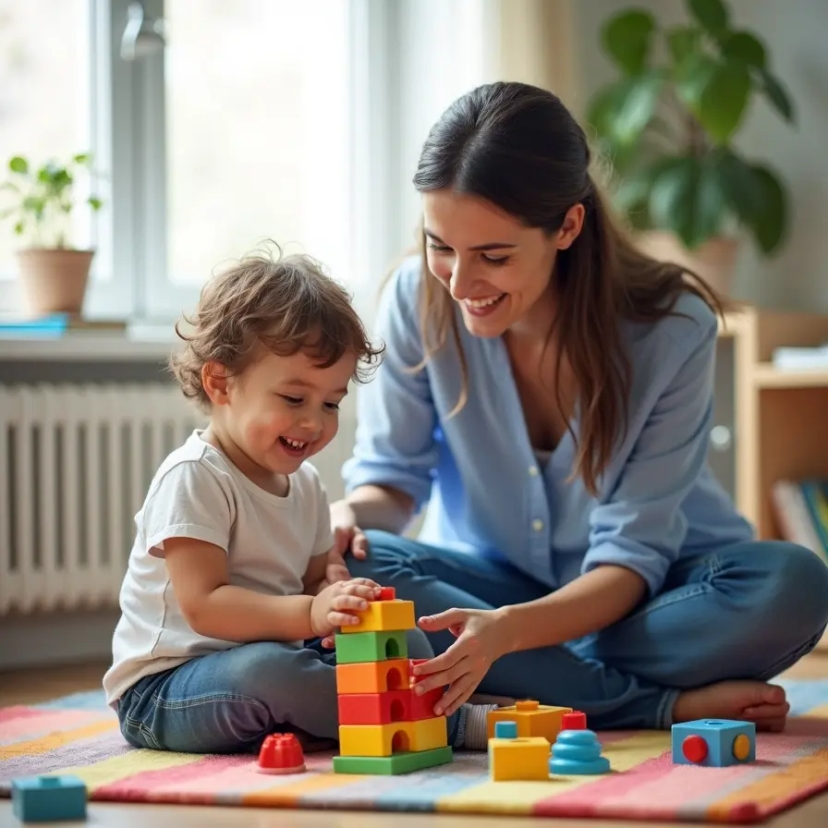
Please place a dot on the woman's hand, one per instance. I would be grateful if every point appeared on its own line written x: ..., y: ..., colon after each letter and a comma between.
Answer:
x: 481, y: 640
x: 347, y: 536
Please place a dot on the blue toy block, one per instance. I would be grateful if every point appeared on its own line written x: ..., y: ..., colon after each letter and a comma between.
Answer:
x: 505, y: 730
x: 48, y: 798
x: 714, y: 743
x: 577, y: 753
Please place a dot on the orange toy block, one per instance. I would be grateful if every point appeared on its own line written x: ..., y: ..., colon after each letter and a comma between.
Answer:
x: 373, y: 676
x: 531, y: 718
x: 382, y: 616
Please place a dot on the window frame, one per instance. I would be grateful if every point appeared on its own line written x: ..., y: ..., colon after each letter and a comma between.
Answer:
x: 141, y: 131
x: 391, y: 100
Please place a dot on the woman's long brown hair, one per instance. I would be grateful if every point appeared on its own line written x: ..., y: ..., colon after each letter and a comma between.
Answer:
x: 518, y: 147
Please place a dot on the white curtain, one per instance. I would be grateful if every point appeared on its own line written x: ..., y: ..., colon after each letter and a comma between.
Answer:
x: 534, y: 41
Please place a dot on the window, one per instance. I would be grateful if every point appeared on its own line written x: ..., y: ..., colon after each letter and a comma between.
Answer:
x: 234, y: 123
x: 45, y: 93
x: 234, y: 126
x: 246, y: 137
x: 257, y: 132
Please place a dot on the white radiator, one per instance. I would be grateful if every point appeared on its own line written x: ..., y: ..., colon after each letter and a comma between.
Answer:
x: 75, y: 464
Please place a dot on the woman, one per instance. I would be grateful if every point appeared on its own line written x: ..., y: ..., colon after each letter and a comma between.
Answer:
x: 547, y: 390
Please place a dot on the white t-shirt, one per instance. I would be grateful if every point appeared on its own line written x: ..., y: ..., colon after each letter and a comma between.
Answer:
x: 198, y: 493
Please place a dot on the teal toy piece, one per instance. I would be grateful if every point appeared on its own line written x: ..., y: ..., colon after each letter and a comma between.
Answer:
x: 505, y: 730
x: 48, y: 798
x: 577, y: 753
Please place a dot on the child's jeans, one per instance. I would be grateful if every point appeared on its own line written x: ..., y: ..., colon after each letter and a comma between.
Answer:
x: 229, y: 701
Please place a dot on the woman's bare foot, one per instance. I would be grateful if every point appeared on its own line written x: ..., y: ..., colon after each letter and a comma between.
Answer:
x: 751, y: 701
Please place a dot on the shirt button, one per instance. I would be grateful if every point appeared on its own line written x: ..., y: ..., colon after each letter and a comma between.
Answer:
x: 533, y: 471
x: 537, y: 525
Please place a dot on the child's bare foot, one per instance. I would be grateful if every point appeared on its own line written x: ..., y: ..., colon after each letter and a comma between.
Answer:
x: 752, y: 701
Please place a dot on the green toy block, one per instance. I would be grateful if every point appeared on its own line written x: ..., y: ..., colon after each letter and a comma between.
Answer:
x: 370, y: 646
x: 404, y: 762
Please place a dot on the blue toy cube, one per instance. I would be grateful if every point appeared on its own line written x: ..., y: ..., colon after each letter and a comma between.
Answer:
x: 714, y: 743
x: 48, y: 798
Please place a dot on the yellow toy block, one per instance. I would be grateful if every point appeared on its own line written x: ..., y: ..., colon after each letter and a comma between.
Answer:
x: 382, y: 616
x: 532, y: 719
x: 383, y: 740
x: 519, y: 759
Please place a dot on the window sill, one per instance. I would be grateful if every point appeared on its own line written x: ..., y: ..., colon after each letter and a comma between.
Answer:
x: 137, y: 344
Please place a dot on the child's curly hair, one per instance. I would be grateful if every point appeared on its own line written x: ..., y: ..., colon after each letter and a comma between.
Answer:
x: 287, y: 304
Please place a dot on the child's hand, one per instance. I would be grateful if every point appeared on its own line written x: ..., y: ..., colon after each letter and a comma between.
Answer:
x: 337, y: 605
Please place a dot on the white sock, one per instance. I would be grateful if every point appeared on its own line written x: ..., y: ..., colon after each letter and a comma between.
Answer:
x: 475, y: 736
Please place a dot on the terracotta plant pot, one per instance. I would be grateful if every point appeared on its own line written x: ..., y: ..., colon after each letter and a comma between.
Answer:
x: 53, y: 279
x: 714, y: 261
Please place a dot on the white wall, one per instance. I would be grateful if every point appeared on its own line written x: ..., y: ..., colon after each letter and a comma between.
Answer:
x: 445, y: 50
x: 795, y: 35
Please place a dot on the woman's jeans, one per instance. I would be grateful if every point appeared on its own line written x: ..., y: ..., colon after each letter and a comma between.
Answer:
x: 747, y: 611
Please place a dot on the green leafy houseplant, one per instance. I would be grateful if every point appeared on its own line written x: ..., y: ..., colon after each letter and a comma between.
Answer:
x: 668, y: 122
x: 40, y: 200
x: 43, y: 199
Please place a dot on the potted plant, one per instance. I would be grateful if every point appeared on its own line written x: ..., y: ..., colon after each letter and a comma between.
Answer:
x: 53, y: 274
x: 667, y: 127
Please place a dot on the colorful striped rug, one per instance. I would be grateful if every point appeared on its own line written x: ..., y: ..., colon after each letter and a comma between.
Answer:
x: 78, y: 735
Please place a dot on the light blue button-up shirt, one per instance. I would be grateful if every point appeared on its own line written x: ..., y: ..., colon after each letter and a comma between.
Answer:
x: 488, y: 492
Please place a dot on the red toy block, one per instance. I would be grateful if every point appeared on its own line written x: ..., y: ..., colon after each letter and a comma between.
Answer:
x: 576, y: 720
x: 387, y: 594
x: 374, y: 708
x: 385, y: 708
x: 422, y: 707
x: 281, y: 753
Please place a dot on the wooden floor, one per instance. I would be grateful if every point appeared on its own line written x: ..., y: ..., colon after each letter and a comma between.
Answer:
x: 31, y: 686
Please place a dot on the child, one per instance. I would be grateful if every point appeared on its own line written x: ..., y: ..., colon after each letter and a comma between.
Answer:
x: 226, y: 578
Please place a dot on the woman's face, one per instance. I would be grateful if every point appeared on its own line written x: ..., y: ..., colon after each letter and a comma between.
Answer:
x: 493, y: 266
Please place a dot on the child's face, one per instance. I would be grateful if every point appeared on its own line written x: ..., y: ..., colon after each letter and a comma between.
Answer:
x: 282, y: 410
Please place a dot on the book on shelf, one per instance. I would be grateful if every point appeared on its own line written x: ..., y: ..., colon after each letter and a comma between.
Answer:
x: 791, y: 358
x: 802, y: 513
x: 56, y: 325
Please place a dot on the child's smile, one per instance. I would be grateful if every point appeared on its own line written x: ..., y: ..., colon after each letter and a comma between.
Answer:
x: 294, y: 448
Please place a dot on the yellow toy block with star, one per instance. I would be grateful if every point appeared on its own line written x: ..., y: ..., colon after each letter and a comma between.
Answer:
x: 532, y: 719
x: 383, y: 616
x: 386, y: 739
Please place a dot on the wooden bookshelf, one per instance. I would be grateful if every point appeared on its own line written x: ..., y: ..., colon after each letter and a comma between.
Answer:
x: 781, y: 415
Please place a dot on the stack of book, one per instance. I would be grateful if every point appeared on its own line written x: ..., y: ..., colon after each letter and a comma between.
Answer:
x: 802, y: 513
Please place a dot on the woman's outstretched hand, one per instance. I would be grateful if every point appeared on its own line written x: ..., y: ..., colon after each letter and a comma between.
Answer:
x: 481, y: 640
x: 347, y: 537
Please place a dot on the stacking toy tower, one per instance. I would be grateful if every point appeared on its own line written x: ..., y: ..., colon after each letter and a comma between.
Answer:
x: 384, y: 726
x: 577, y: 750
